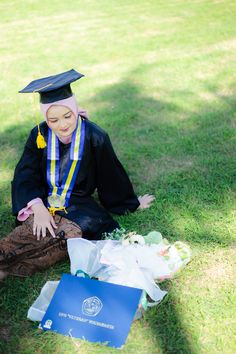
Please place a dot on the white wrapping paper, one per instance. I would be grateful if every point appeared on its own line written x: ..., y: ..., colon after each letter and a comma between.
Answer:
x: 139, y: 265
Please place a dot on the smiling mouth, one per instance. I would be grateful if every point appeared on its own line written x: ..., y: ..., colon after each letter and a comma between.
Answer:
x: 64, y: 130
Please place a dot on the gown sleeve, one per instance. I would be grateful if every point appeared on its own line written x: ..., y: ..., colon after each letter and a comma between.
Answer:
x: 28, y: 182
x: 115, y: 190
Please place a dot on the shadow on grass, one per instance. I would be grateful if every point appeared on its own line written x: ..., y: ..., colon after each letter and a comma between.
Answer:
x: 166, y: 326
x: 16, y: 296
x: 186, y: 162
x: 12, y: 143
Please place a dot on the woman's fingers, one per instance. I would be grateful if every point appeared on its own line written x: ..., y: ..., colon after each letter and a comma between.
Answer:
x: 53, y: 223
x: 145, y: 201
x: 50, y: 229
x: 147, y: 196
x: 38, y: 232
x: 43, y: 221
x: 150, y: 199
x: 43, y: 231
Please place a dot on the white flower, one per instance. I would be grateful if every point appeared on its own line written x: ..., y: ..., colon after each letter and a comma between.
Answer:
x: 137, y: 239
x: 125, y: 241
x: 133, y: 239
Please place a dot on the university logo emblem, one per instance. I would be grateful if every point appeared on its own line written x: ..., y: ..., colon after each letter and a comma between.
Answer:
x: 48, y: 324
x: 92, y: 306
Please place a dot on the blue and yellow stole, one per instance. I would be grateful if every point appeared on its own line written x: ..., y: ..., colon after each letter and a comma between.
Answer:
x: 59, y: 195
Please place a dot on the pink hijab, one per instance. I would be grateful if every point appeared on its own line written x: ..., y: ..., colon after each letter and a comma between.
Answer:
x: 69, y: 102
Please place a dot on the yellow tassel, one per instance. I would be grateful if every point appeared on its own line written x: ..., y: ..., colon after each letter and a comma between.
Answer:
x: 40, y: 141
x: 52, y: 210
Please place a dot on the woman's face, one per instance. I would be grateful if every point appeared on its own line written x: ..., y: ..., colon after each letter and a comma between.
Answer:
x: 61, y: 120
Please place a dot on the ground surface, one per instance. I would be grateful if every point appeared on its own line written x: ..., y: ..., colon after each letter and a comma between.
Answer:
x: 159, y: 79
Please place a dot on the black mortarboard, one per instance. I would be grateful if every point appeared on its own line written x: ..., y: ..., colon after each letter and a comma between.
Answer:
x: 53, y: 88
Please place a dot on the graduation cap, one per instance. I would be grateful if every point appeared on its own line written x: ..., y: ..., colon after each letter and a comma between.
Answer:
x: 51, y: 89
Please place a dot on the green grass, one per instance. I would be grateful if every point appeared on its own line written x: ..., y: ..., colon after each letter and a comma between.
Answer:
x: 160, y: 79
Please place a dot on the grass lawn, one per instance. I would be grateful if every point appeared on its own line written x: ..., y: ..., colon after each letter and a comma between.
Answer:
x: 160, y: 79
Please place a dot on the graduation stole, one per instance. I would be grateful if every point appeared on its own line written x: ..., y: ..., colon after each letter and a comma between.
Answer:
x: 59, y: 195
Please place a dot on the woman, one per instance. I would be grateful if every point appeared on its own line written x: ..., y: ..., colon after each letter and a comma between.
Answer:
x: 66, y: 158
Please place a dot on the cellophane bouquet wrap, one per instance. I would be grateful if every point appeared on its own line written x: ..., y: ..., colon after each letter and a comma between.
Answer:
x: 126, y: 259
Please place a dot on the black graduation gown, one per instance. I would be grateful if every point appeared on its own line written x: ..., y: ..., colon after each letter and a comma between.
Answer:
x: 100, y: 169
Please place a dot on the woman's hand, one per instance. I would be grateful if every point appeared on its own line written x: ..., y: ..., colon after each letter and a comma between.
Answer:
x: 145, y: 201
x: 43, y: 220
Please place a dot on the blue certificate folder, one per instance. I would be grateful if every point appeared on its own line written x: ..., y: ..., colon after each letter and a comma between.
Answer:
x: 93, y: 310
